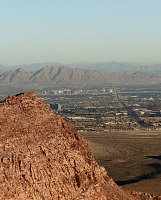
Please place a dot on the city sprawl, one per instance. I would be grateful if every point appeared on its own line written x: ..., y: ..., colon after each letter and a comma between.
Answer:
x: 109, y: 108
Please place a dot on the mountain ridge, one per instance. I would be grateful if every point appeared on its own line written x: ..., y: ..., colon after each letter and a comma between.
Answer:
x: 112, y: 66
x: 63, y: 75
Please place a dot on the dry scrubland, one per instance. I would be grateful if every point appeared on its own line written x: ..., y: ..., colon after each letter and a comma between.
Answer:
x: 131, y: 158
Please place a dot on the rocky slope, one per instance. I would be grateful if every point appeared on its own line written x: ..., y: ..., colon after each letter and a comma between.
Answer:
x: 43, y: 157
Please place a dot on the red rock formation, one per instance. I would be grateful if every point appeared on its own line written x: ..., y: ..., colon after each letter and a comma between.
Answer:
x: 42, y: 157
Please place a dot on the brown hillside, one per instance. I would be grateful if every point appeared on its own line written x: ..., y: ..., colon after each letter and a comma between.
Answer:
x: 42, y: 157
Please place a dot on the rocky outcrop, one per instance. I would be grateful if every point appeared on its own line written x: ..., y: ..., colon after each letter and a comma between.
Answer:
x: 42, y: 157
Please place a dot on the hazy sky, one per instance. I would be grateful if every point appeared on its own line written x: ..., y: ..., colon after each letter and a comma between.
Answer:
x: 79, y: 30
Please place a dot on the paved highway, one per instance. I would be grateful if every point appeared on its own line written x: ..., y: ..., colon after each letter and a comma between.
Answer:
x: 130, y: 111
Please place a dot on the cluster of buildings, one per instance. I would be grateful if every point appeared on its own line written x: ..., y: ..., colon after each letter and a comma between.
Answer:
x: 75, y: 91
x: 106, y: 109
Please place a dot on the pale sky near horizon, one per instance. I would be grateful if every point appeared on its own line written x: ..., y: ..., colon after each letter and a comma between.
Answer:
x: 69, y: 31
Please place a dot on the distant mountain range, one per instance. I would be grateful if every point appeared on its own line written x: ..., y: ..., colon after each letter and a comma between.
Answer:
x: 117, y: 67
x: 70, y: 76
x: 121, y: 67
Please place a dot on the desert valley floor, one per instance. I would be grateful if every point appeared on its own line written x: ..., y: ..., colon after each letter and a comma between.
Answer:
x: 131, y: 158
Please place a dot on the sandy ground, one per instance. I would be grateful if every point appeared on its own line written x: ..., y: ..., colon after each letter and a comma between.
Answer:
x: 131, y: 158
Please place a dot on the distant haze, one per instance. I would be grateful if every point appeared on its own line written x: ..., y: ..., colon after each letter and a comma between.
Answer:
x: 80, y: 31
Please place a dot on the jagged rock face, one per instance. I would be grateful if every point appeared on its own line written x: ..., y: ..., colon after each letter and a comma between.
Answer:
x: 42, y: 157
